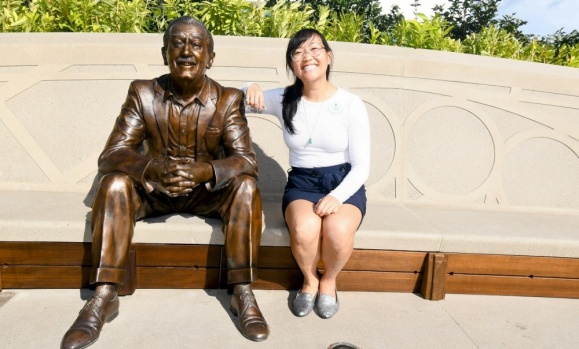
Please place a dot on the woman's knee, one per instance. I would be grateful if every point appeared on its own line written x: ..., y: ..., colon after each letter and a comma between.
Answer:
x: 304, y: 230
x: 337, y: 235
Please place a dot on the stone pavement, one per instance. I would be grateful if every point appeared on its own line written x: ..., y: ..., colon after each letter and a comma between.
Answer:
x: 200, y: 319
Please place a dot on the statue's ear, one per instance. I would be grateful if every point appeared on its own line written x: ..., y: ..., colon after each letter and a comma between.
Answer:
x: 164, y: 54
x: 210, y: 60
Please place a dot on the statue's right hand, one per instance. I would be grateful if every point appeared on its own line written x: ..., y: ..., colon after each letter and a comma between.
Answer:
x: 158, y: 172
x: 254, y: 97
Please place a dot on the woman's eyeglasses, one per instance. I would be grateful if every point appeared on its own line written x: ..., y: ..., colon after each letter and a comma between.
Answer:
x: 313, y: 51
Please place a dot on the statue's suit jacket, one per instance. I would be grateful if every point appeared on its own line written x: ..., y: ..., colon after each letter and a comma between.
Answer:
x: 141, y: 132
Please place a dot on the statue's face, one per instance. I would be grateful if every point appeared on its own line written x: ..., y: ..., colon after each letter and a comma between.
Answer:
x: 187, y: 53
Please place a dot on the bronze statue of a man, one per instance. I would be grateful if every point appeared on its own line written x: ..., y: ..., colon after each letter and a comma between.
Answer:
x: 180, y: 144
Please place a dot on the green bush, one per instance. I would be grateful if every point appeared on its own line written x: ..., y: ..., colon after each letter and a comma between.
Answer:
x: 241, y: 18
x: 492, y: 41
x: 423, y: 32
x: 222, y: 16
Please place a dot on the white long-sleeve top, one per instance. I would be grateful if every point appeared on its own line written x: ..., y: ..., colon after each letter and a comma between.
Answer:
x: 339, y: 131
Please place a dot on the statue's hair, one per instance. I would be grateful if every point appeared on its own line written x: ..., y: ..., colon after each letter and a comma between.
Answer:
x: 188, y: 20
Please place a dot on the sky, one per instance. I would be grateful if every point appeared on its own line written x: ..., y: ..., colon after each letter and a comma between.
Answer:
x: 544, y: 17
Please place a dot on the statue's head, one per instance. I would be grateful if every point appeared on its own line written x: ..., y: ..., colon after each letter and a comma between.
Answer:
x: 187, y: 50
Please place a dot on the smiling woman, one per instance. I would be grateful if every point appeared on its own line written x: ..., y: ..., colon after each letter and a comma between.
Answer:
x: 328, y: 135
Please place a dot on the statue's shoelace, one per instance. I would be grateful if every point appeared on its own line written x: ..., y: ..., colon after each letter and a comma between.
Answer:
x: 249, y: 300
x: 93, y: 303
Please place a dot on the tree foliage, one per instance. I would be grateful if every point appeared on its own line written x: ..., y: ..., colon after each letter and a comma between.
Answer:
x: 479, y: 31
x: 468, y: 16
x: 368, y: 11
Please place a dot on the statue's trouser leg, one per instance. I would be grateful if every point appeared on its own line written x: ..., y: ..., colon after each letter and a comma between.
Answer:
x: 118, y: 205
x: 241, y: 212
x: 113, y: 218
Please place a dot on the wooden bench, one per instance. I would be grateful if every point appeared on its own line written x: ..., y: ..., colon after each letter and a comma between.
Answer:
x: 473, y: 189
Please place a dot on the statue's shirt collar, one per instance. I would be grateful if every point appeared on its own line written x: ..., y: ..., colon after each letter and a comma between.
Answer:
x: 201, y: 98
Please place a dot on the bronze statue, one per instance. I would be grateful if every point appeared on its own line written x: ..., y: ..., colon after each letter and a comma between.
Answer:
x: 180, y: 144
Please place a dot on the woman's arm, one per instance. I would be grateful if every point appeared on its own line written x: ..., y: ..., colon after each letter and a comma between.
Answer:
x: 359, y: 149
x: 266, y: 102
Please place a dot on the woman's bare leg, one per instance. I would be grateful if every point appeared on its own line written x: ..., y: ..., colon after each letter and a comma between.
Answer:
x: 305, y: 228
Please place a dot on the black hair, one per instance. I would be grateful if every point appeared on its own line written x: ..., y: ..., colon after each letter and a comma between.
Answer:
x: 188, y: 20
x: 293, y: 93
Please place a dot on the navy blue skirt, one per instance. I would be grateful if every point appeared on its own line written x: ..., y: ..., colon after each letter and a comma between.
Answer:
x: 312, y: 184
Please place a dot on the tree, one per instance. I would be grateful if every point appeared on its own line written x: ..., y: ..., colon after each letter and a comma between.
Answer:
x: 561, y: 40
x: 391, y: 19
x: 366, y: 8
x: 416, y: 4
x: 468, y: 16
x: 369, y: 10
x: 511, y: 24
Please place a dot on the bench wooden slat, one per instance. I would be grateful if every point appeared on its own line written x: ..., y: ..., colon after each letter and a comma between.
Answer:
x: 276, y: 257
x: 513, y: 265
x: 160, y: 255
x: 45, y: 276
x: 278, y: 279
x: 512, y: 286
x: 179, y: 277
x: 393, y: 261
x: 45, y: 253
x: 271, y: 279
x: 379, y: 281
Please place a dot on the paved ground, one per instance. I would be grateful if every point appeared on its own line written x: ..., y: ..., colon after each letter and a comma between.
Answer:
x: 200, y: 319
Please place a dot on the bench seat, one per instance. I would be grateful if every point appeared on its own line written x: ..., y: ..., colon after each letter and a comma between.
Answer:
x: 65, y: 217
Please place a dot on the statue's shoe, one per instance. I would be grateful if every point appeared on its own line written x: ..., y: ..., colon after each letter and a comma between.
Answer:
x: 251, y: 322
x: 87, y: 327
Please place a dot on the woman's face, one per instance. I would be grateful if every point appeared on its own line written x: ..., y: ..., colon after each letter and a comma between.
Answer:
x: 310, y: 61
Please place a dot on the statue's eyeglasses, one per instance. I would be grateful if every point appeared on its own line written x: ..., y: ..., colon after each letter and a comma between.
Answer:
x: 313, y: 51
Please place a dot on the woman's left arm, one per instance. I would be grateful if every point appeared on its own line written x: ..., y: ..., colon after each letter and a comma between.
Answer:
x: 359, y: 151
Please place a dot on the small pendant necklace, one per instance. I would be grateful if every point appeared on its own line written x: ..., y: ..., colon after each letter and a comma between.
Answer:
x: 311, y: 132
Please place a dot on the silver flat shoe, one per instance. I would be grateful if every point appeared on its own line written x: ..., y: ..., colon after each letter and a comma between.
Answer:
x: 327, y: 305
x: 303, y: 304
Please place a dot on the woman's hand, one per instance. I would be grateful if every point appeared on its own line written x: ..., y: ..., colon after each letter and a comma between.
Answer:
x: 327, y: 205
x: 254, y: 97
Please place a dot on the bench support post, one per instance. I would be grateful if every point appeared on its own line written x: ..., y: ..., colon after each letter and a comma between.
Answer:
x: 434, y: 279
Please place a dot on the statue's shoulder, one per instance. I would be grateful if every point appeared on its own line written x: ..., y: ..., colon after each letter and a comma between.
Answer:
x: 158, y: 84
x: 224, y: 90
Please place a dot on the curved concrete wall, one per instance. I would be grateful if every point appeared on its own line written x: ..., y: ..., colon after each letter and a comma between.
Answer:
x: 447, y: 129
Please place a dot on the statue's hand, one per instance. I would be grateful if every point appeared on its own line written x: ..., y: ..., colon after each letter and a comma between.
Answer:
x: 186, y: 175
x: 158, y: 172
x: 254, y: 97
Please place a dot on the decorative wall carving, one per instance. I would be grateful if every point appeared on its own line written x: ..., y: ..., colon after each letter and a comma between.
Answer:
x: 446, y: 128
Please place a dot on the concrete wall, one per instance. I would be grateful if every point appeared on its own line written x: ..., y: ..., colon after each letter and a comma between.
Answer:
x: 447, y: 129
